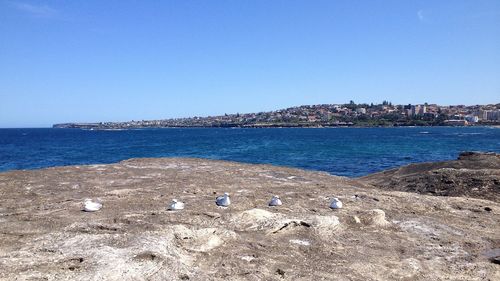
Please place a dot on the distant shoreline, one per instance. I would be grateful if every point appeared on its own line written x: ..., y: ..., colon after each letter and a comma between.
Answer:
x: 325, y: 115
x: 56, y: 126
x: 268, y: 127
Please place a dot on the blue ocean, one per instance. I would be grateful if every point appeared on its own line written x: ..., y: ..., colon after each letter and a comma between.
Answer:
x: 348, y: 152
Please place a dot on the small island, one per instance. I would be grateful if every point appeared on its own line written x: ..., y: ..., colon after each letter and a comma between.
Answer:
x: 326, y: 115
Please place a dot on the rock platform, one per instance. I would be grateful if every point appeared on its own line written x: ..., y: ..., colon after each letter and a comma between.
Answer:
x: 377, y: 235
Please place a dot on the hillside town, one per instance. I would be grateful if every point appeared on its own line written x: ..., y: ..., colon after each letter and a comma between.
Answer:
x: 327, y: 115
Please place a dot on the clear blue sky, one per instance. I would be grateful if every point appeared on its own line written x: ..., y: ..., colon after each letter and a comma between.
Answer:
x: 75, y: 61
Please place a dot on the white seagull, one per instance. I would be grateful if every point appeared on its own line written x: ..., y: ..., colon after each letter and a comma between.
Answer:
x: 223, y: 201
x: 336, y: 204
x: 275, y: 201
x: 175, y: 205
x: 91, y: 206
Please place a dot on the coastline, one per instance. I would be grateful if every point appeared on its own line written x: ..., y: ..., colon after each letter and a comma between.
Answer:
x: 264, y: 127
x: 305, y: 126
x: 400, y: 234
x: 328, y: 115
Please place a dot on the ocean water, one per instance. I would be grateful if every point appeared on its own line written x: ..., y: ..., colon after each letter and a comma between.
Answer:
x: 340, y: 151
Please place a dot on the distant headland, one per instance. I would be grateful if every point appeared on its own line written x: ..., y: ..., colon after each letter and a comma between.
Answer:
x: 326, y: 115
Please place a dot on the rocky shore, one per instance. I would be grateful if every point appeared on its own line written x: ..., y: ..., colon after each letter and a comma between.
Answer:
x: 473, y: 174
x: 379, y: 234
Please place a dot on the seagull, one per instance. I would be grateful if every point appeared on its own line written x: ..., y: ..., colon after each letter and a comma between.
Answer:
x: 91, y: 206
x: 223, y: 201
x: 175, y: 205
x: 275, y: 201
x: 336, y: 204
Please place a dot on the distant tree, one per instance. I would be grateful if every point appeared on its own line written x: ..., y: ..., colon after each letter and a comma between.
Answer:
x: 439, y: 120
x: 351, y: 105
x: 362, y: 118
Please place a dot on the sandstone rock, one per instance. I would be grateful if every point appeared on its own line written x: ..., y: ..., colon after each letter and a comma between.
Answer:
x: 44, y: 235
x: 373, y: 217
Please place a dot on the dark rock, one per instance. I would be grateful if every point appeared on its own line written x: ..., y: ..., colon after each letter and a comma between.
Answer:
x: 280, y: 272
x: 474, y: 174
x: 495, y: 260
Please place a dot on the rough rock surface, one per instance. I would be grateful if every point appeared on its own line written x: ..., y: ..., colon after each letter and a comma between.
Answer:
x: 378, y: 235
x: 473, y: 174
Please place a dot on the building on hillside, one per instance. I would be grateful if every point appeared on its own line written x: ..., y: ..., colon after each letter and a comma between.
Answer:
x: 422, y: 110
x: 493, y: 115
x: 418, y: 110
x: 484, y: 114
x: 361, y: 110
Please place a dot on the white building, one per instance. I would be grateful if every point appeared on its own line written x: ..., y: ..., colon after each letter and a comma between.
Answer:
x: 472, y: 119
x: 361, y: 110
x: 493, y: 115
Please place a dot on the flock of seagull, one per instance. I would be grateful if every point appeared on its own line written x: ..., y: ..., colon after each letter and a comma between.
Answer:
x: 223, y: 201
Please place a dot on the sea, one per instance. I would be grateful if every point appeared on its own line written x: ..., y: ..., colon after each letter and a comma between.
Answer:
x: 350, y: 152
